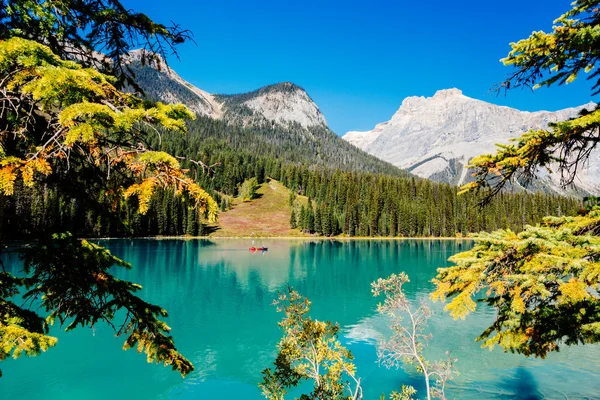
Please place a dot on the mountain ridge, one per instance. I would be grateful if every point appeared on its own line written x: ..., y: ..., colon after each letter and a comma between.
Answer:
x: 280, y: 120
x: 282, y: 103
x: 435, y: 137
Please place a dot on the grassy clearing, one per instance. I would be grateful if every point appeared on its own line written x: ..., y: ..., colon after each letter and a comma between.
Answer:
x: 266, y: 216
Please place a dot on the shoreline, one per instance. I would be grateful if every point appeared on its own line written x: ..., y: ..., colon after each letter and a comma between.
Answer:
x: 336, y: 238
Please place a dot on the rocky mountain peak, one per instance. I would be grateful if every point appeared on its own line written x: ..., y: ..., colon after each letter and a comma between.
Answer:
x: 285, y: 87
x: 440, y: 98
x: 146, y: 58
x: 446, y: 93
x: 283, y: 103
x: 436, y: 137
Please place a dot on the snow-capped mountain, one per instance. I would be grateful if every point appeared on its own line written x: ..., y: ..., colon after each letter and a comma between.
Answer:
x: 283, y: 103
x: 436, y: 137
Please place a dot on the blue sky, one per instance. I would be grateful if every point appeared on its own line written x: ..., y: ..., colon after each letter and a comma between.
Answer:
x: 359, y: 60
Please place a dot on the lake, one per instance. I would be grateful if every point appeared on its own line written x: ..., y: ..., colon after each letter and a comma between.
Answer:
x: 219, y: 298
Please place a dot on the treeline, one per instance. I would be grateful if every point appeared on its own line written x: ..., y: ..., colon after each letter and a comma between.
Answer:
x: 46, y: 209
x: 345, y: 200
x: 352, y: 203
x: 358, y: 204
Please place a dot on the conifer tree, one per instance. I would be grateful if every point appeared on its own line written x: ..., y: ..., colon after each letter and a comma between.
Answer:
x: 302, y: 223
x: 310, y: 218
x: 68, y: 122
x: 192, y: 223
x: 544, y: 280
x: 318, y: 219
x: 293, y: 220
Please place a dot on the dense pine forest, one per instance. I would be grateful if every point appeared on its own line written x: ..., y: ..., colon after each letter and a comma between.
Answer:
x: 344, y: 198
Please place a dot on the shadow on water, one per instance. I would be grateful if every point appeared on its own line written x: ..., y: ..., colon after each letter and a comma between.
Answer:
x: 518, y: 384
x: 523, y: 385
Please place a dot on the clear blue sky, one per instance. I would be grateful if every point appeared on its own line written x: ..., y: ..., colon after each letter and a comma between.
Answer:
x: 359, y: 60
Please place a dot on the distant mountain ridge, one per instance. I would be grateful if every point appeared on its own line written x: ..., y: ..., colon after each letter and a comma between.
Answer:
x: 436, y: 137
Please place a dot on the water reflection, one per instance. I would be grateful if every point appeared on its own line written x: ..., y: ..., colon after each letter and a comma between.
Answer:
x: 219, y: 298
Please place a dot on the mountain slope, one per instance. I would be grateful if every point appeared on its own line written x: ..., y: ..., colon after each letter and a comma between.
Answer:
x: 161, y: 83
x: 249, y: 219
x: 279, y: 120
x: 436, y: 137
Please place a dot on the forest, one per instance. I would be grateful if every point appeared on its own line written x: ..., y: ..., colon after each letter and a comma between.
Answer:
x: 344, y: 198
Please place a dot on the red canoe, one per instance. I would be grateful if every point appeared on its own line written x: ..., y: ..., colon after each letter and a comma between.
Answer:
x: 258, y: 248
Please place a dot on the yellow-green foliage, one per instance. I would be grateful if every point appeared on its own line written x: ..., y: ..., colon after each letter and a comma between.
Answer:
x: 536, y: 148
x: 543, y: 281
x: 73, y: 280
x: 563, y: 53
x: 56, y: 116
x: 92, y: 118
x: 248, y: 189
x: 544, y: 59
x: 16, y: 340
x: 309, y: 350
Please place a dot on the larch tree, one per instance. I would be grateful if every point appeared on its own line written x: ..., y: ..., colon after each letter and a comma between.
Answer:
x: 544, y: 281
x: 64, y: 122
x: 309, y: 351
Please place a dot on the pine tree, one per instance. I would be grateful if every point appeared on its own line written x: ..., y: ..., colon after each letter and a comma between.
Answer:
x: 302, y: 222
x: 318, y: 219
x: 192, y: 223
x: 310, y: 219
x: 293, y: 220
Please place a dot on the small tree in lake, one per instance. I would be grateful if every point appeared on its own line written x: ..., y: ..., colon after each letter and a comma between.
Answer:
x: 409, y: 340
x: 309, y: 350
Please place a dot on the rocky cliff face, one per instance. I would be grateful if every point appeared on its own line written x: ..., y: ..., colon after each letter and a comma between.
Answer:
x: 283, y: 103
x: 436, y: 137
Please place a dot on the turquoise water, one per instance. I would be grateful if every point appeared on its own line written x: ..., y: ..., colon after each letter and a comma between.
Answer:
x: 219, y: 298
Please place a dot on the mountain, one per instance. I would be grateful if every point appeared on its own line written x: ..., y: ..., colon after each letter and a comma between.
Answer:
x: 161, y: 83
x: 279, y: 121
x: 436, y: 137
x: 283, y: 103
